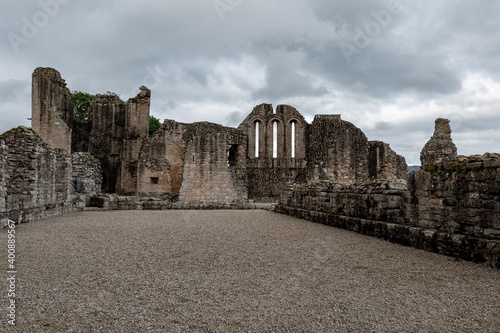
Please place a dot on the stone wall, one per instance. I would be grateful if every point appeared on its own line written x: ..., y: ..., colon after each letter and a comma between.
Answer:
x: 52, y: 108
x: 36, y: 179
x: 86, y: 174
x: 459, y: 196
x: 268, y: 174
x: 161, y: 161
x: 214, y: 164
x: 199, y: 162
x: 291, y: 128
x: 135, y: 133
x: 453, y: 208
x: 337, y: 150
x: 268, y: 177
x: 180, y: 160
x: 384, y: 163
x: 117, y: 132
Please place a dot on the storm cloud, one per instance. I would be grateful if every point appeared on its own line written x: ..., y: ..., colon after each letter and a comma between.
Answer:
x: 389, y: 67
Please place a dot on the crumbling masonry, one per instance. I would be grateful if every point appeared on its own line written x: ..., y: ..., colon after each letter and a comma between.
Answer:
x: 326, y: 171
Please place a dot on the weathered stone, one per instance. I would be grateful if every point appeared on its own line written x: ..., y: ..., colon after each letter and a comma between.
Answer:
x: 440, y: 148
x: 52, y: 108
x: 36, y: 179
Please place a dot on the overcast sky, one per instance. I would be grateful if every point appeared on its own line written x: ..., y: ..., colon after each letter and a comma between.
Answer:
x: 388, y: 67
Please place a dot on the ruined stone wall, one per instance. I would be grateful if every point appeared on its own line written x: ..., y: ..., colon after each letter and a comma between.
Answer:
x: 161, y: 161
x: 289, y: 122
x: 107, y: 114
x: 453, y: 208
x: 52, y: 108
x: 268, y: 177
x: 214, y: 164
x: 86, y: 174
x: 384, y: 163
x: 117, y: 133
x: 461, y: 196
x: 136, y: 131
x: 267, y: 174
x: 36, y: 179
x: 199, y: 162
x: 337, y: 151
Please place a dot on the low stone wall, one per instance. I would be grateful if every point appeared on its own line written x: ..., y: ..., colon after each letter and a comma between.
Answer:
x: 451, y: 208
x: 116, y: 202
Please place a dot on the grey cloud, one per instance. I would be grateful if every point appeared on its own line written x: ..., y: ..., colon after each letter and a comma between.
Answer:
x: 284, y: 78
x: 15, y: 91
x: 422, y: 56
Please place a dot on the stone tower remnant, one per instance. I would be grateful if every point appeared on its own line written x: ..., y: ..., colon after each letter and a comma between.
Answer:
x: 117, y: 132
x: 440, y: 147
x: 52, y: 108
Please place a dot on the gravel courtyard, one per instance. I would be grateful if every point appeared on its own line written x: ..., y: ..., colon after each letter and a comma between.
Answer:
x: 235, y: 271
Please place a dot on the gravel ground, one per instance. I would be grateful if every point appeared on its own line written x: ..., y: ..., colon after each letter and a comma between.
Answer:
x: 236, y: 271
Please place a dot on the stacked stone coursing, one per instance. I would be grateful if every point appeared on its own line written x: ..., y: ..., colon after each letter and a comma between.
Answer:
x: 86, y: 174
x: 36, y: 179
x: 161, y: 161
x: 338, y: 151
x: 460, y: 196
x: 384, y: 163
x: 214, y: 164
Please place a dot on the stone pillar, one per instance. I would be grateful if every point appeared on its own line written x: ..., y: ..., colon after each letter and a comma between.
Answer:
x: 108, y: 117
x: 440, y: 147
x: 52, y: 108
x: 136, y: 131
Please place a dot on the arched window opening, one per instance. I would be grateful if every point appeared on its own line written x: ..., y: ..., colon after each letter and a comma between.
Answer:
x: 257, y: 136
x: 293, y: 139
x: 275, y: 139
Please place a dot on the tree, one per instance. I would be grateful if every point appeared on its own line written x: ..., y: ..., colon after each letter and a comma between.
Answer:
x: 81, y: 104
x: 154, y: 125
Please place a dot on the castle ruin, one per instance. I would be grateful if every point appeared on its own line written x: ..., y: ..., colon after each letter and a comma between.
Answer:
x: 326, y: 171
